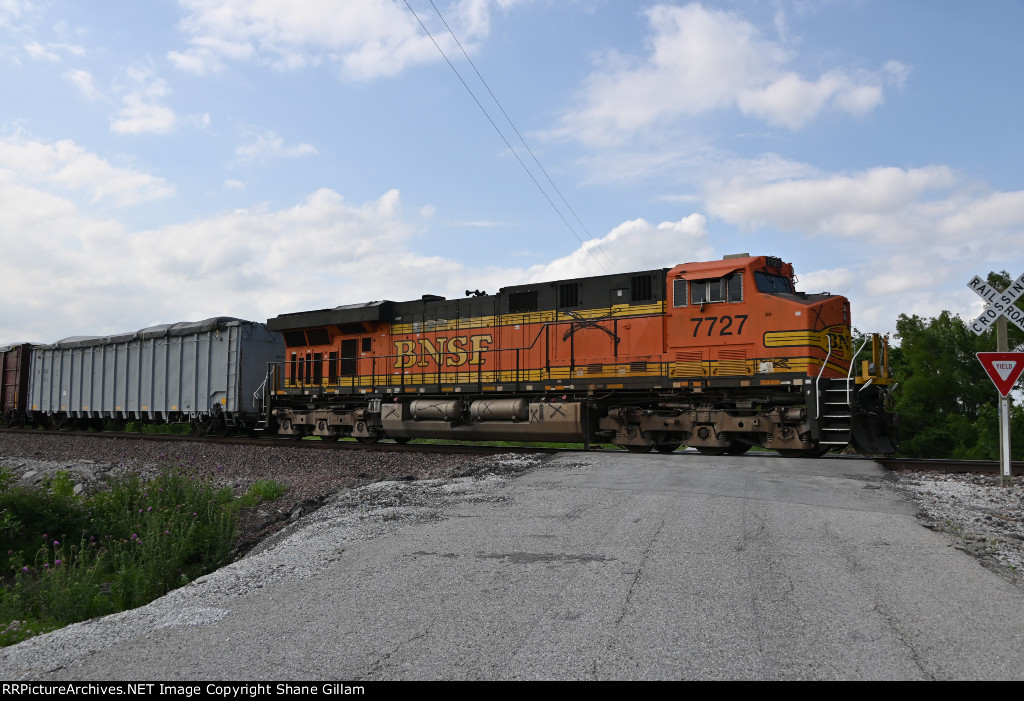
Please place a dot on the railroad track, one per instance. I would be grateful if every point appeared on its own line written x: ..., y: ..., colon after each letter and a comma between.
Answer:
x: 285, y: 442
x: 949, y: 466
x: 908, y: 464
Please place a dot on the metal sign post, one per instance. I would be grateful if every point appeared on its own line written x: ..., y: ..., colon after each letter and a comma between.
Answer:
x: 1001, y: 307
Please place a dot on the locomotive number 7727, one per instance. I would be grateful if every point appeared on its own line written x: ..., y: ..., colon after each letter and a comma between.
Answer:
x: 725, y: 329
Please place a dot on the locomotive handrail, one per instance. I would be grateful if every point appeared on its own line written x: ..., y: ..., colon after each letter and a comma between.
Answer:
x: 817, y: 380
x: 849, y: 373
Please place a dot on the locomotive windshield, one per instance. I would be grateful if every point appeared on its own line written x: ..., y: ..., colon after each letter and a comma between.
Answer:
x: 767, y: 282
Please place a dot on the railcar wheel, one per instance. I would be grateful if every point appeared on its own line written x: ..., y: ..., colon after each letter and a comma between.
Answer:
x: 368, y: 440
x: 666, y: 448
x: 706, y: 450
x: 793, y: 452
x: 402, y: 441
x: 13, y: 419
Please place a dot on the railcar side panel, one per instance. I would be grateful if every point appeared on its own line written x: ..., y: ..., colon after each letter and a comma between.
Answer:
x: 176, y: 372
x: 14, y: 373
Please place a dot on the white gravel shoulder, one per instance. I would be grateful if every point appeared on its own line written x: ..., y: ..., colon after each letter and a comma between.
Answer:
x: 976, y: 513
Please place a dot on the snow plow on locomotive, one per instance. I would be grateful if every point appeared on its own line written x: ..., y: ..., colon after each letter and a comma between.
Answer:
x: 720, y: 356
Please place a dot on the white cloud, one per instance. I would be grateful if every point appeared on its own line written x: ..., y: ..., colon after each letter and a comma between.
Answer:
x: 851, y: 205
x: 632, y: 245
x: 67, y: 166
x: 908, y: 238
x: 701, y: 60
x: 364, y: 39
x: 84, y: 82
x: 829, y: 280
x: 244, y: 262
x: 142, y: 111
x: 266, y: 145
x: 140, y: 116
x: 39, y: 53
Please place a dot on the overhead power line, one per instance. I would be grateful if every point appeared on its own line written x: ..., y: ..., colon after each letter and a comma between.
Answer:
x: 515, y: 153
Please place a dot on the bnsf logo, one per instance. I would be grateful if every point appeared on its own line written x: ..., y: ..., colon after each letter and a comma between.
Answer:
x: 450, y: 352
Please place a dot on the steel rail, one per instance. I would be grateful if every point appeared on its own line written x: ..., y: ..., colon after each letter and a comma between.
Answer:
x: 948, y: 466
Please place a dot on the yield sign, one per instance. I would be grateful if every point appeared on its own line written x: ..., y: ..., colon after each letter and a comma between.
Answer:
x: 1003, y: 368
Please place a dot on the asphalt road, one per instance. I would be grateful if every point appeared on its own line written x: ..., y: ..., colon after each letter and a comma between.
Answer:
x: 589, y: 567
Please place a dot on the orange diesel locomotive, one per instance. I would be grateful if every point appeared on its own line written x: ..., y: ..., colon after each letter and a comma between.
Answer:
x: 719, y: 356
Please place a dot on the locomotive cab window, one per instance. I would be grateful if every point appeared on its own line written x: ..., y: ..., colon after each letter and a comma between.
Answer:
x: 722, y: 289
x: 679, y: 293
x: 769, y: 283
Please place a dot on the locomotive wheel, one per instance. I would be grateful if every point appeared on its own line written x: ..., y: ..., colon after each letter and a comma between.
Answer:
x: 666, y: 448
x: 707, y: 450
x: 332, y: 439
x: 793, y: 452
x: 402, y: 441
x: 368, y: 439
x: 738, y: 448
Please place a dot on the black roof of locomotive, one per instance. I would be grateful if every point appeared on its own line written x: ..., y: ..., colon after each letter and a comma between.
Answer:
x: 597, y: 290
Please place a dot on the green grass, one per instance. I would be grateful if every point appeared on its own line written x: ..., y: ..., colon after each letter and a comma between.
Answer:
x: 71, y: 558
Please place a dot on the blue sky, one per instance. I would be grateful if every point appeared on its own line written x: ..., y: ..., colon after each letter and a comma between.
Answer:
x: 167, y: 161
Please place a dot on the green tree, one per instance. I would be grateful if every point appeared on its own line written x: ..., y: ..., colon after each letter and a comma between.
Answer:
x: 946, y: 402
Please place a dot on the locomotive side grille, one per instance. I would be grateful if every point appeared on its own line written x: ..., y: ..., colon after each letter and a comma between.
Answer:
x: 595, y: 368
x: 732, y: 361
x: 688, y: 364
x: 638, y: 366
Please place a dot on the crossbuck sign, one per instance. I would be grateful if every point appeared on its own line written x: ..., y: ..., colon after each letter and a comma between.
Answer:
x: 1000, y: 303
x: 1004, y: 368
